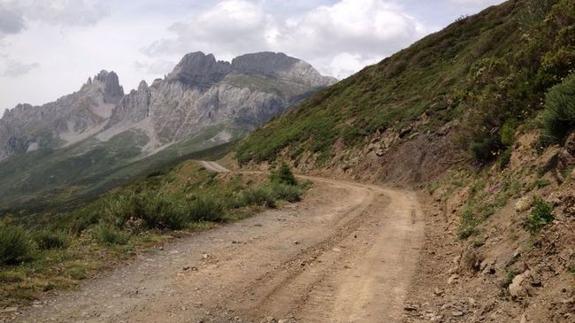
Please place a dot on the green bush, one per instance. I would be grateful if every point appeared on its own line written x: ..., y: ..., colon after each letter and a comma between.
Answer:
x: 559, y: 113
x: 484, y: 150
x: 258, y: 196
x: 505, y: 158
x: 110, y: 235
x: 118, y: 208
x: 47, y: 240
x: 285, y: 192
x: 162, y: 211
x: 83, y: 219
x: 541, y: 215
x: 468, y: 226
x: 205, y: 209
x: 507, y: 133
x: 15, y: 245
x: 283, y: 175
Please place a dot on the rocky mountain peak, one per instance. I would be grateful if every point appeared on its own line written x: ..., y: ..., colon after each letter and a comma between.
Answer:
x: 198, y: 69
x: 18, y: 111
x: 106, y: 83
x: 267, y: 63
x: 282, y: 66
x: 143, y: 86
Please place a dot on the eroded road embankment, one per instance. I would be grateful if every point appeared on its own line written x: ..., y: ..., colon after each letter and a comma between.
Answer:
x: 345, y: 254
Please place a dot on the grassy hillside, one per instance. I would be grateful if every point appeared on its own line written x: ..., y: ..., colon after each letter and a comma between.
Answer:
x: 485, y: 74
x: 56, y: 249
x: 52, y: 178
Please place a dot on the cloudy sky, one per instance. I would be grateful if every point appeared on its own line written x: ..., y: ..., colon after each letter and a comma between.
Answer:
x: 48, y: 48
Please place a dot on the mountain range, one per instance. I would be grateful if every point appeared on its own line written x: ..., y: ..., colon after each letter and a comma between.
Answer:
x: 87, y: 139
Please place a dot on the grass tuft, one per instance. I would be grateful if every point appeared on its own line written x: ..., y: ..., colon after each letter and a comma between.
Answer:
x: 47, y: 240
x: 15, y: 245
x: 109, y: 235
x: 541, y: 215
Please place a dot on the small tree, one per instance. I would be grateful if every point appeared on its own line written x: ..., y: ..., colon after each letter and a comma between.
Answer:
x: 283, y: 175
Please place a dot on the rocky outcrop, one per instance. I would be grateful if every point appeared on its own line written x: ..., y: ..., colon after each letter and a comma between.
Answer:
x: 199, y: 93
x: 281, y: 66
x: 197, y: 69
x: 202, y: 93
x: 68, y: 120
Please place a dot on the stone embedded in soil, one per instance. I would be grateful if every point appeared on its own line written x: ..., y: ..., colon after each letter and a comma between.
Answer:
x: 523, y: 204
x: 517, y: 287
x: 457, y: 313
x: 453, y: 279
x: 10, y: 309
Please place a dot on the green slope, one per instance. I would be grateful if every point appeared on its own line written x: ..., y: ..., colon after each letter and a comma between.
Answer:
x: 489, y: 72
x: 65, y: 177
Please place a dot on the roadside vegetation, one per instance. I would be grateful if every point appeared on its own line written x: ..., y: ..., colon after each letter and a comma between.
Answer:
x: 57, y: 249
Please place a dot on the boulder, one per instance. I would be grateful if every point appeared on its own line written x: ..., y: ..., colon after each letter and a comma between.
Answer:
x: 518, y: 287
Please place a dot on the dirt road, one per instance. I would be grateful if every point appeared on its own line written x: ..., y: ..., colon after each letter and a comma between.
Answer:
x: 213, y: 166
x: 345, y: 254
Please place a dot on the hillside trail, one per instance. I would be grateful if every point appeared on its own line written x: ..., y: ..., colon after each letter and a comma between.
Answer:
x: 346, y: 253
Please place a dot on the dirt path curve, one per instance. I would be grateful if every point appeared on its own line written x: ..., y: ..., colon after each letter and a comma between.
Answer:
x: 345, y: 254
x: 213, y: 166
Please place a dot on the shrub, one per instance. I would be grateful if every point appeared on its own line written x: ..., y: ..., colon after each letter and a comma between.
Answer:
x: 484, y: 150
x: 285, y: 192
x: 541, y: 183
x: 161, y: 211
x: 77, y: 273
x: 15, y: 245
x: 541, y: 215
x: 109, y: 235
x: 559, y: 113
x: 468, y: 225
x: 118, y: 209
x: 283, y: 175
x: 83, y: 219
x: 47, y: 240
x: 205, y: 209
x: 509, y: 276
x: 505, y: 158
x: 507, y: 133
x: 258, y: 196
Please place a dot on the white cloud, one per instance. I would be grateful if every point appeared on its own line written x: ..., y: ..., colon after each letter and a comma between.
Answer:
x: 350, y: 31
x: 477, y: 2
x: 345, y: 64
x: 11, y: 20
x: 13, y: 68
x: 55, y: 12
x: 363, y: 26
x: 229, y: 26
x: 155, y: 67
